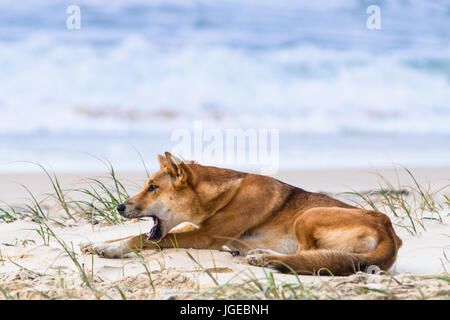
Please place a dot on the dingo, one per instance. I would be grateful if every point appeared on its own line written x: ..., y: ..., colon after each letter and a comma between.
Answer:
x: 272, y: 223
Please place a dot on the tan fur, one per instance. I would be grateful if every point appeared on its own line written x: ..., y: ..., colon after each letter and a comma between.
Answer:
x: 290, y: 228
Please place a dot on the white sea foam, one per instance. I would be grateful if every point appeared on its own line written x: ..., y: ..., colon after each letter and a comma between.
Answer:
x: 302, y: 89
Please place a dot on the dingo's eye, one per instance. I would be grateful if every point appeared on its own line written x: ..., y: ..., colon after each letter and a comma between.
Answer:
x: 151, y: 188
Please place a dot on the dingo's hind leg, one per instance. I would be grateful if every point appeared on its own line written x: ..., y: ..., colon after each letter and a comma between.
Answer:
x: 340, y: 241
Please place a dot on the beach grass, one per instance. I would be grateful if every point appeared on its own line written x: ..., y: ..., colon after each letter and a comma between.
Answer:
x: 407, y: 205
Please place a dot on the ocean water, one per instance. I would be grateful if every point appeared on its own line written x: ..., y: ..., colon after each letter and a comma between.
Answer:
x: 340, y: 94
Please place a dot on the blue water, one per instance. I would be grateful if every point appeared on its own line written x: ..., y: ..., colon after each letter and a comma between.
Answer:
x: 137, y: 70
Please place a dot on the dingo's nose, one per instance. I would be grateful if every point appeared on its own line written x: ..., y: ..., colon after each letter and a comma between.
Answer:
x: 121, y: 208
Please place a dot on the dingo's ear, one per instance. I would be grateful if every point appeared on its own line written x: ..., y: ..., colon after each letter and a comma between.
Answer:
x: 173, y: 159
x: 162, y: 161
x: 177, y: 169
x: 172, y: 164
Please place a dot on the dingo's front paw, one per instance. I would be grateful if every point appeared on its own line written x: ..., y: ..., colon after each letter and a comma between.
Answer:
x: 105, y: 250
x: 86, y: 247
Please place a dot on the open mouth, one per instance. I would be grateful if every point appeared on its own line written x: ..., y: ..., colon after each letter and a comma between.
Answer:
x: 155, y: 232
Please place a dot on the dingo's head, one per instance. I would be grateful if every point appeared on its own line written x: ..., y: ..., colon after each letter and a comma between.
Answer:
x: 167, y: 197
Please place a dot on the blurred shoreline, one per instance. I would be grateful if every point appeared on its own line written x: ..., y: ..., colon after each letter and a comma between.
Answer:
x: 329, y: 180
x: 88, y: 152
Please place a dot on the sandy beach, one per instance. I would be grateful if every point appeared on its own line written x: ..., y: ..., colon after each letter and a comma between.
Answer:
x: 38, y: 267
